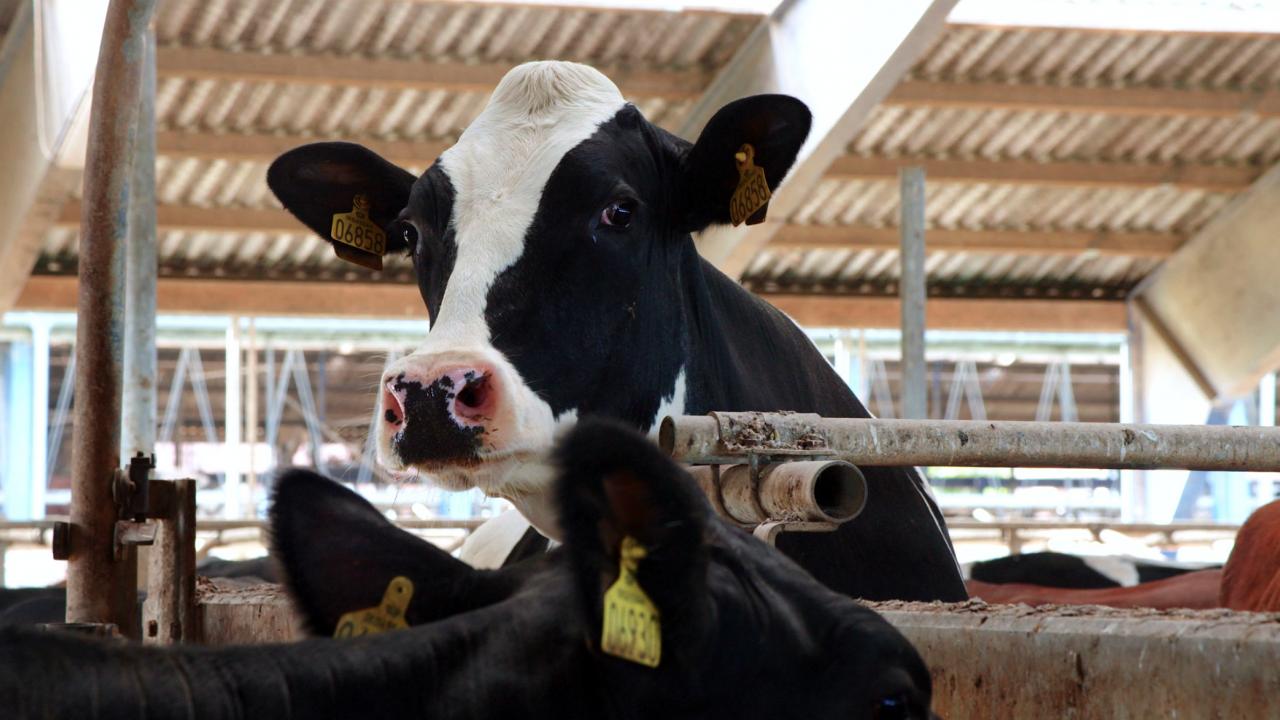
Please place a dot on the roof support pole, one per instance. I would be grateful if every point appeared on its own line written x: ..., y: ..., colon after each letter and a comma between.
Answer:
x: 842, y: 58
x: 911, y: 288
x: 101, y: 587
x: 138, y: 410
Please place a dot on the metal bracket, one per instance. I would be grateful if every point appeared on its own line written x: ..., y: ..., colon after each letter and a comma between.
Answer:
x: 769, y: 531
x: 133, y: 533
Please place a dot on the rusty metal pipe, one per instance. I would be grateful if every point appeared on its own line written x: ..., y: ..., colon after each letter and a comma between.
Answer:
x: 829, y: 491
x: 726, y: 438
x: 100, y: 588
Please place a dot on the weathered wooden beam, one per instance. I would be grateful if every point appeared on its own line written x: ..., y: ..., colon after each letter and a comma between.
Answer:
x: 1263, y: 101
x: 363, y: 299
x: 841, y: 57
x: 191, y: 218
x: 202, y: 63
x: 248, y: 297
x: 1025, y: 242
x: 956, y: 313
x: 1060, y: 173
x: 264, y: 148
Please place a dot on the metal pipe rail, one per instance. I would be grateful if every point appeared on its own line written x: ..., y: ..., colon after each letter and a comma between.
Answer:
x: 729, y: 438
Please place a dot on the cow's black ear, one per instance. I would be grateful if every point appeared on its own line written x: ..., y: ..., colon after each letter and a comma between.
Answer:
x: 614, y: 483
x: 775, y: 126
x: 339, y: 554
x: 320, y: 180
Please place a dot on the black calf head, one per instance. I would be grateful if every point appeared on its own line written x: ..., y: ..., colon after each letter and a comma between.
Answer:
x: 745, y: 633
x: 552, y: 247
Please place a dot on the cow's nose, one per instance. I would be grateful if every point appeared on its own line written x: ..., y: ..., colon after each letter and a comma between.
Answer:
x: 439, y: 413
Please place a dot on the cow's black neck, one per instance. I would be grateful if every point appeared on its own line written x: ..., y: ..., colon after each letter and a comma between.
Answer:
x: 744, y: 354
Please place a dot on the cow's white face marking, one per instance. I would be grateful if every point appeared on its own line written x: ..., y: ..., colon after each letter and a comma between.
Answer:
x: 498, y: 170
x: 672, y: 404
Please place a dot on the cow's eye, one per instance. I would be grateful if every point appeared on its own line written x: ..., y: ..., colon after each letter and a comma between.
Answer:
x: 893, y: 707
x: 618, y: 213
x: 410, y: 235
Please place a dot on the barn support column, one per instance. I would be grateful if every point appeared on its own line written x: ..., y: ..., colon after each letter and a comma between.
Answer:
x: 138, y: 406
x: 842, y: 58
x: 101, y: 581
x: 231, y: 422
x: 912, y: 290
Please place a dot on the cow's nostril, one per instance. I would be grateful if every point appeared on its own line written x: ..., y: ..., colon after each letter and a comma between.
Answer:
x: 474, y: 395
x: 393, y: 409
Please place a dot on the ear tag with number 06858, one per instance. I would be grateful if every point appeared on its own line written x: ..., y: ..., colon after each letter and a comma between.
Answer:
x: 359, y: 239
x: 631, y: 627
x: 750, y: 200
x: 389, y: 615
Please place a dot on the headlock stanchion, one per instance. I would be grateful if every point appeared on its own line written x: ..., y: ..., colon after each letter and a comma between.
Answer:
x: 730, y: 438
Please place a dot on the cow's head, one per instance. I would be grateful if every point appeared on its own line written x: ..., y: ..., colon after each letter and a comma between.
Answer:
x: 745, y: 632
x: 548, y: 244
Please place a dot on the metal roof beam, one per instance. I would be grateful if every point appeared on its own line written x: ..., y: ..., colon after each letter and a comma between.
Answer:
x: 1215, y: 300
x: 360, y: 299
x: 360, y: 71
x: 1260, y: 101
x: 842, y: 57
x: 1020, y: 242
x: 1054, y: 173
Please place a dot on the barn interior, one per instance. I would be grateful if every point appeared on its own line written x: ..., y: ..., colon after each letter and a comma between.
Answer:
x: 1100, y: 180
x: 1097, y: 193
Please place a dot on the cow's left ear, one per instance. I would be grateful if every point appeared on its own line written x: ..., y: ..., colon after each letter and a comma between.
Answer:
x: 773, y: 126
x: 626, y: 507
x: 340, y: 555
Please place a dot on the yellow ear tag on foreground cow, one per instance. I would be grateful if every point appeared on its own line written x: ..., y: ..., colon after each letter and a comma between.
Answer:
x: 631, y: 628
x: 387, y: 616
x: 359, y: 239
x: 750, y: 200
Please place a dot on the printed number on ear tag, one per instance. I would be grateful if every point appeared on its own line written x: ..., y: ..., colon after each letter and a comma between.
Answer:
x: 631, y: 628
x: 387, y: 616
x: 360, y: 239
x: 752, y: 196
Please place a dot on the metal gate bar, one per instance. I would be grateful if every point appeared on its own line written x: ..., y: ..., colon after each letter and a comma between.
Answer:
x: 729, y: 438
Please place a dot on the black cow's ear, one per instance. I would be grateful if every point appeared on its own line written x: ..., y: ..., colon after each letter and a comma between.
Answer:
x: 320, y: 180
x: 614, y: 484
x: 775, y: 126
x: 339, y: 555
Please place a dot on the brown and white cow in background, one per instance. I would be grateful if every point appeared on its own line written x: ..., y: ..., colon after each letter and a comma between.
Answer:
x: 553, y: 249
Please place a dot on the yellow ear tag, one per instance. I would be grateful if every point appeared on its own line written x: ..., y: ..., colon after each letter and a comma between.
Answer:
x: 631, y: 628
x: 360, y: 239
x: 387, y: 616
x: 751, y: 199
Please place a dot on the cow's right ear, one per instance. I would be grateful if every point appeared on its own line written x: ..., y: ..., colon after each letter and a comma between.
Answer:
x: 340, y: 555
x: 320, y: 180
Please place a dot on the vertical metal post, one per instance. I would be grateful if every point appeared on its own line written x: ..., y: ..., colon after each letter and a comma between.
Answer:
x: 138, y: 405
x: 39, y: 417
x: 101, y: 588
x: 912, y: 292
x: 251, y: 414
x: 232, y: 420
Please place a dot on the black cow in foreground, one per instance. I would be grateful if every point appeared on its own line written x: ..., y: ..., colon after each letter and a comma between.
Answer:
x: 745, y: 632
x: 552, y: 245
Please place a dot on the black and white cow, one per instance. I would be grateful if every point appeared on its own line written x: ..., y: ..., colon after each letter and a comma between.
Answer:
x: 553, y: 250
x: 745, y: 633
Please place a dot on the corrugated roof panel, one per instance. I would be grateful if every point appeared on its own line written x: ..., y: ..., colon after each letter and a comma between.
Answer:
x: 1062, y: 56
